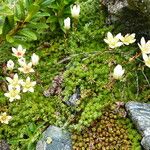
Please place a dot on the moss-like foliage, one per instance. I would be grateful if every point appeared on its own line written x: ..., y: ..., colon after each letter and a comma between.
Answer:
x: 110, y: 131
x: 84, y: 61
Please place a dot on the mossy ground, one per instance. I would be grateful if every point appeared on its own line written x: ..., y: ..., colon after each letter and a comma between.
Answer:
x: 84, y: 61
x: 112, y: 131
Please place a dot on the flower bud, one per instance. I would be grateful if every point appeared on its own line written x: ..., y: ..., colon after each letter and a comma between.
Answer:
x: 35, y: 59
x: 118, y: 72
x: 67, y: 23
x: 75, y: 10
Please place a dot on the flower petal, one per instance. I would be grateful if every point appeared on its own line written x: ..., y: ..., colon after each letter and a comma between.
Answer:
x: 14, y: 50
x: 11, y: 99
x: 7, y: 94
x: 18, y: 97
x: 16, y: 76
x: 9, y: 79
x: 143, y: 42
x: 31, y: 90
x: 118, y: 36
x: 145, y: 57
x: 109, y: 35
x: 25, y: 90
x: 20, y: 48
x: 33, y: 83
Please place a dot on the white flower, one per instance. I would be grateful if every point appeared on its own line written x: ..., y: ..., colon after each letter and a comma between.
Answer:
x: 144, y: 46
x: 67, y: 23
x: 13, y: 93
x: 128, y: 39
x: 146, y: 59
x: 15, y: 81
x: 19, y: 52
x: 112, y: 41
x: 28, y: 85
x: 26, y: 68
x: 34, y: 59
x: 75, y: 10
x: 10, y: 65
x: 4, y: 118
x: 22, y: 61
x: 118, y: 72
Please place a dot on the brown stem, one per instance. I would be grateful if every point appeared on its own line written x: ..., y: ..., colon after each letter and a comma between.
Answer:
x: 110, y: 84
x: 19, y: 26
x: 1, y: 40
x: 134, y: 57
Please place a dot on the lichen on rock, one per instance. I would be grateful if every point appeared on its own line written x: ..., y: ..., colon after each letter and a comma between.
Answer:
x: 60, y: 139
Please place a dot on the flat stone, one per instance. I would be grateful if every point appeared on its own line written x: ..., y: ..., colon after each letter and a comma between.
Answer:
x: 61, y: 139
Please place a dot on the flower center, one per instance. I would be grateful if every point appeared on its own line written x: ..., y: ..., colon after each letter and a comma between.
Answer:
x: 28, y: 85
x: 15, y: 83
x: 3, y: 118
x: 27, y: 69
x: 19, y: 53
x: 13, y: 93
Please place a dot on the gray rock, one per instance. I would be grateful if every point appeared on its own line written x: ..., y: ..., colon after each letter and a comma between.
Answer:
x: 114, y: 6
x: 146, y: 132
x: 61, y: 139
x: 4, y: 145
x: 140, y: 115
x: 146, y: 142
x: 133, y: 15
x: 74, y: 99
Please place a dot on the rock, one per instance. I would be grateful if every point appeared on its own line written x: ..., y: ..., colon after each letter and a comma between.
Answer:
x: 4, y: 145
x: 146, y: 142
x: 146, y: 132
x: 74, y: 99
x: 114, y: 6
x: 133, y: 15
x: 140, y: 115
x: 61, y: 139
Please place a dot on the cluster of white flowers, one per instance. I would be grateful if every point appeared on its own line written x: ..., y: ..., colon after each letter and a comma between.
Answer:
x: 119, y: 40
x: 75, y: 11
x: 15, y: 84
x: 145, y: 49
